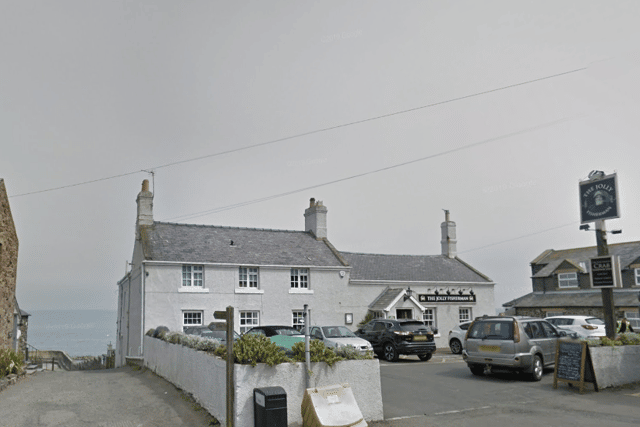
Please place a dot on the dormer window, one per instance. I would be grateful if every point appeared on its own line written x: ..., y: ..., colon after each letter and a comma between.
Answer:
x: 568, y: 280
x: 637, y: 275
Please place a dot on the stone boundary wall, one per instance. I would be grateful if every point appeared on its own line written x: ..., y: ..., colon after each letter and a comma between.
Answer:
x: 615, y: 366
x: 204, y: 376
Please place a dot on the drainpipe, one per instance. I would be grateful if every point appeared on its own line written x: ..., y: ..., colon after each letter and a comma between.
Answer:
x: 307, y: 353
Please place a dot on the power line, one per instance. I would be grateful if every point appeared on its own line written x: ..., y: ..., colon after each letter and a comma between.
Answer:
x: 442, y: 153
x: 274, y: 141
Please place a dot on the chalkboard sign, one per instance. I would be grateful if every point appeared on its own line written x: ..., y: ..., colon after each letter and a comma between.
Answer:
x: 573, y: 364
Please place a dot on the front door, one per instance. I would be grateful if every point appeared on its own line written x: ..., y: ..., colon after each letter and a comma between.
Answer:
x: 404, y: 313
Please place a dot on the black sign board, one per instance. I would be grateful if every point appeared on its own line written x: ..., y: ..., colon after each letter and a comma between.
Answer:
x: 603, y: 272
x: 573, y: 364
x: 446, y: 298
x: 599, y: 199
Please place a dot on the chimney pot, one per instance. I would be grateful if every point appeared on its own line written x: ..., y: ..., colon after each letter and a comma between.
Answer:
x: 312, y: 202
x: 145, y: 185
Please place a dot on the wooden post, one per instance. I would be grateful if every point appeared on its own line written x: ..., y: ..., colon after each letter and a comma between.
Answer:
x: 231, y: 386
x: 608, y: 305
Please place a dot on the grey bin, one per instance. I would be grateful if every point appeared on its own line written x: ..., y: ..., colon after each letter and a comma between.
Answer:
x: 270, y: 407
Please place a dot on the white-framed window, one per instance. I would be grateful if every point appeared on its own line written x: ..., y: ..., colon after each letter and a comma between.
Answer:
x: 637, y: 274
x: 248, y: 277
x: 568, y: 280
x: 191, y: 318
x: 192, y: 275
x: 298, y: 319
x: 249, y: 319
x: 464, y: 314
x: 300, y: 278
x: 429, y: 317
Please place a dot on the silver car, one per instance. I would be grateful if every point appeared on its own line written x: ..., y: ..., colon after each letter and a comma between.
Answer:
x: 515, y: 343
x: 456, y: 337
x: 338, y: 337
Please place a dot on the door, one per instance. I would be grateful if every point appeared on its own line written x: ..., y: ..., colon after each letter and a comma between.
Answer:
x: 404, y: 313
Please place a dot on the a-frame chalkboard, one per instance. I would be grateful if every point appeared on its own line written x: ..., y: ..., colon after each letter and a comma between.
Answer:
x: 573, y: 364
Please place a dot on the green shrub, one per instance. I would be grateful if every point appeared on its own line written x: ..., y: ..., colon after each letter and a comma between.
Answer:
x: 318, y: 352
x: 366, y: 319
x: 350, y: 353
x: 252, y: 349
x: 10, y: 362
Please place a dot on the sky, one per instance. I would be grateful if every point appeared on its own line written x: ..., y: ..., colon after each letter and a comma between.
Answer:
x: 240, y: 112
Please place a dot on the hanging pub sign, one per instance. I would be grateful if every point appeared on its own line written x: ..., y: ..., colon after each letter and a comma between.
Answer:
x: 599, y: 199
x: 605, y: 271
x: 446, y: 298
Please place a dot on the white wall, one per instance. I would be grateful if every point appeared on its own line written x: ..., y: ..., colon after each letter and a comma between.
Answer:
x: 204, y: 376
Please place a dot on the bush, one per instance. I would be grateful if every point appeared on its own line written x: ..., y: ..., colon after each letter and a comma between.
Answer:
x: 350, y: 353
x: 10, y: 362
x: 318, y: 352
x: 252, y: 349
x: 627, y: 338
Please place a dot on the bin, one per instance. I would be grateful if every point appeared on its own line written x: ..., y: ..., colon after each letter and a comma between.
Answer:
x: 270, y: 407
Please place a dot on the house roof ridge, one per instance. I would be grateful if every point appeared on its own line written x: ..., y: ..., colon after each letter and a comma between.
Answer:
x: 227, y: 227
x: 407, y: 255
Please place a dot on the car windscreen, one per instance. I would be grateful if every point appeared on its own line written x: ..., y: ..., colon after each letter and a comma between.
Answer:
x: 287, y: 331
x: 337, y: 332
x: 490, y: 329
x: 413, y: 326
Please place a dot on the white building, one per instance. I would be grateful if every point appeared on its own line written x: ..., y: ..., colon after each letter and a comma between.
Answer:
x: 181, y: 274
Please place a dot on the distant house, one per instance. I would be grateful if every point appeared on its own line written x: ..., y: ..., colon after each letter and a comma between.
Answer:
x: 562, y: 285
x: 13, y: 321
x: 182, y: 273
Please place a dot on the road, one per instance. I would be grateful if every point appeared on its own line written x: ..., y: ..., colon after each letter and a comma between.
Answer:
x: 443, y: 392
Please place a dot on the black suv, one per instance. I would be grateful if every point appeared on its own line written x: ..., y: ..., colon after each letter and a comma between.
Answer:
x: 390, y: 338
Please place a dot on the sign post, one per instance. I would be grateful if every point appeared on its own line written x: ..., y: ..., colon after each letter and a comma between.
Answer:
x: 599, y: 202
x: 228, y: 317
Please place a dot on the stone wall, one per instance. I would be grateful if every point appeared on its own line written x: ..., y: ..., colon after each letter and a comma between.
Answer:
x: 204, y: 376
x: 8, y: 270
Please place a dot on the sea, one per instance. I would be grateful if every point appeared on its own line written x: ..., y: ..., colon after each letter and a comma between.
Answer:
x: 76, y: 332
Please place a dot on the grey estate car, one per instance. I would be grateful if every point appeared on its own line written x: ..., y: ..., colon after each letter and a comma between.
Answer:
x: 516, y: 343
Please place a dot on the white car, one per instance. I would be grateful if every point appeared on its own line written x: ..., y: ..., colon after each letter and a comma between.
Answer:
x: 583, y: 326
x: 456, y: 337
x: 339, y: 337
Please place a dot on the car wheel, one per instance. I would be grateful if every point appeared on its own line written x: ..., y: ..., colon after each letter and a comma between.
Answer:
x: 425, y: 357
x: 477, y: 370
x: 455, y: 346
x: 536, y: 368
x: 390, y: 353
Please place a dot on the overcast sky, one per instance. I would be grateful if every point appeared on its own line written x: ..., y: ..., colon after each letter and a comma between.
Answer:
x: 391, y: 111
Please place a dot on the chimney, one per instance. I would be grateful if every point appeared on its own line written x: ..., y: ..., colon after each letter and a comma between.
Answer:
x: 145, y: 208
x: 448, y: 241
x: 315, y: 219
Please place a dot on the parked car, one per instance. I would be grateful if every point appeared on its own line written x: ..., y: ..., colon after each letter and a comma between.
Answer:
x: 206, y: 332
x: 392, y: 337
x: 516, y: 343
x: 274, y: 330
x: 339, y: 336
x: 456, y: 337
x: 583, y: 326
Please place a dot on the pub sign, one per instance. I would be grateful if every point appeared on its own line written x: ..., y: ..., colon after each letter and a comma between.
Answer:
x: 599, y: 199
x: 604, y: 271
x: 446, y: 298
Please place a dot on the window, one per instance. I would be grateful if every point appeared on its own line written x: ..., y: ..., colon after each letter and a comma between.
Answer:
x: 568, y: 280
x: 191, y: 318
x: 637, y: 274
x: 192, y: 275
x: 248, y: 319
x: 464, y: 315
x: 298, y: 319
x: 429, y: 317
x: 300, y: 278
x: 248, y: 277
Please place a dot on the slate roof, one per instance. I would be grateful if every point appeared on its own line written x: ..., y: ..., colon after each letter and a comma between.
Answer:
x: 385, y: 299
x: 212, y: 244
x: 572, y: 299
x: 411, y: 268
x: 628, y: 252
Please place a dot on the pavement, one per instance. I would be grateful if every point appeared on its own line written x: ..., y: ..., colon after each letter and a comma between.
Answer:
x: 122, y: 397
